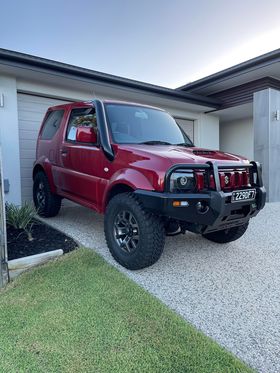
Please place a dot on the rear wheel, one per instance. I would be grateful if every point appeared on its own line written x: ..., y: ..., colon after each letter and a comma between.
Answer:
x: 227, y: 235
x: 134, y: 236
x: 46, y: 203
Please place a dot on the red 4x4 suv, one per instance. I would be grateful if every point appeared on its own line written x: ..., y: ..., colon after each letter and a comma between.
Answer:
x: 136, y: 165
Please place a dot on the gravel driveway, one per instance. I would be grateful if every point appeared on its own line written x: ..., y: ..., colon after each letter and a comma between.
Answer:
x: 231, y: 292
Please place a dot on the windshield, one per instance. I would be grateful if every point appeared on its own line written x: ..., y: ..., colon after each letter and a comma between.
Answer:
x: 141, y: 125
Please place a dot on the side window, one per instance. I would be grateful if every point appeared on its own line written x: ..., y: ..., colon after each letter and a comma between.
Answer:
x: 52, y: 124
x: 82, y: 117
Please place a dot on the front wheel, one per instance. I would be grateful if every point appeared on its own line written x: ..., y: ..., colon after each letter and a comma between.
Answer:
x: 134, y: 236
x: 227, y: 235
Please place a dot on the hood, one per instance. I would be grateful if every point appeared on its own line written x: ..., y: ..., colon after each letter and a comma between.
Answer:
x: 181, y: 154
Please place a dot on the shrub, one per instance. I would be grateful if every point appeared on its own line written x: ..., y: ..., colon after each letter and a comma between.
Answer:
x: 21, y: 217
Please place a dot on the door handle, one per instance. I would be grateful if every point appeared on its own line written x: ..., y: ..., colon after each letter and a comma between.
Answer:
x: 63, y: 151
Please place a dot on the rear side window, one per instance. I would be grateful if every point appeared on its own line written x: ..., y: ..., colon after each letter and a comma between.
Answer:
x: 52, y: 124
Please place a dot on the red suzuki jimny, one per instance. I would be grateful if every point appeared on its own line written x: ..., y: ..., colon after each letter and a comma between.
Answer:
x: 137, y: 166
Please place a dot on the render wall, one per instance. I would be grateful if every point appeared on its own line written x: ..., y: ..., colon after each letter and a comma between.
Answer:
x: 9, y: 138
x: 267, y: 139
x: 237, y: 137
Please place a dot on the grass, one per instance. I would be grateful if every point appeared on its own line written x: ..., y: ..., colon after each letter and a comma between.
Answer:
x: 78, y: 314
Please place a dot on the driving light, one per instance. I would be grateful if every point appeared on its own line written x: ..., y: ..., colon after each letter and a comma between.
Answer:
x: 182, y: 181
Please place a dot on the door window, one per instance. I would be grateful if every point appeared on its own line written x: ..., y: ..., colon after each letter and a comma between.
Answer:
x: 82, y: 117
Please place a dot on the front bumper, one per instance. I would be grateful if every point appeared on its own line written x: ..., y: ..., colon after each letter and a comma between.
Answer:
x: 220, y: 213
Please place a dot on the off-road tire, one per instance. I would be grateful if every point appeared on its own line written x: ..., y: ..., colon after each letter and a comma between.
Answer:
x: 52, y: 202
x: 227, y: 235
x: 151, y: 232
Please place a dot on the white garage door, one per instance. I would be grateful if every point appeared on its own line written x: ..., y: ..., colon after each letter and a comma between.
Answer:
x: 187, y: 126
x: 31, y: 111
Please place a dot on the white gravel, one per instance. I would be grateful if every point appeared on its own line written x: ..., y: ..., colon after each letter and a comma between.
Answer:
x: 231, y: 292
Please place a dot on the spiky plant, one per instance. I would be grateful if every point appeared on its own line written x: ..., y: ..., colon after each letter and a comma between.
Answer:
x: 21, y: 217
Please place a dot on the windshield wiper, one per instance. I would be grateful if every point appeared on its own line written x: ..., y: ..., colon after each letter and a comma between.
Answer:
x: 184, y: 144
x: 155, y: 142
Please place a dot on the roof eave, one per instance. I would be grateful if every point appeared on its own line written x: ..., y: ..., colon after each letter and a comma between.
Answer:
x: 257, y: 62
x: 16, y: 58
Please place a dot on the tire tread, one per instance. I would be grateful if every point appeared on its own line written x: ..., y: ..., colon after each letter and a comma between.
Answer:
x: 153, y: 230
x: 53, y: 202
x: 223, y: 236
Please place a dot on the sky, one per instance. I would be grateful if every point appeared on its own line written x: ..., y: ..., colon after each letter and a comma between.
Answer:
x: 167, y: 43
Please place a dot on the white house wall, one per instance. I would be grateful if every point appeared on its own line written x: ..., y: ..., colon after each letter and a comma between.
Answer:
x: 237, y: 137
x: 267, y: 139
x: 206, y: 132
x: 9, y: 138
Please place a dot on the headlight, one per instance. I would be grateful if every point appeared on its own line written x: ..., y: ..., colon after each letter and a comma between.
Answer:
x: 181, y: 181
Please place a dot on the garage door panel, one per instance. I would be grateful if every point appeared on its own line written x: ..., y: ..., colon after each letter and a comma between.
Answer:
x: 33, y: 103
x: 25, y: 162
x: 25, y: 191
x: 25, y: 182
x: 26, y: 175
x: 30, y: 107
x: 25, y: 134
x: 27, y: 142
x: 31, y: 125
x: 26, y: 150
x: 32, y: 116
x: 31, y: 111
x: 28, y: 154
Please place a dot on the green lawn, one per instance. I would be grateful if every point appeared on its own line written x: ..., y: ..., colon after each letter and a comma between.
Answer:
x: 78, y: 314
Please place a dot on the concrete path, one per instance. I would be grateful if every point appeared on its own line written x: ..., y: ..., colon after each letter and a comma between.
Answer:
x: 231, y: 292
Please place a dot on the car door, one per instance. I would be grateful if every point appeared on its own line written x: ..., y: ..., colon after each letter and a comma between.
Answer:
x: 81, y: 162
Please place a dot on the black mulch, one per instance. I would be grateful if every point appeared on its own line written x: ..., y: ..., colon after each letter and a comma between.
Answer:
x: 45, y: 238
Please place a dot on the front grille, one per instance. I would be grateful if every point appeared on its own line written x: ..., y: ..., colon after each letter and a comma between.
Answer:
x: 234, y: 179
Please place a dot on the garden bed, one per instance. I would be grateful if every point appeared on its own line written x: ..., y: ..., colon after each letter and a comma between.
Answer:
x: 45, y: 238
